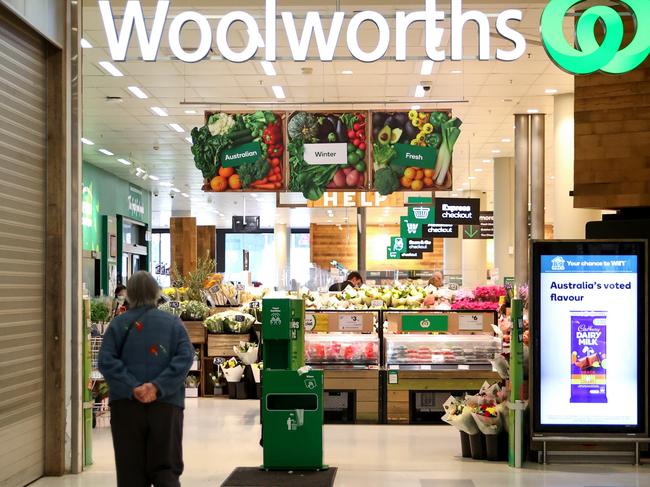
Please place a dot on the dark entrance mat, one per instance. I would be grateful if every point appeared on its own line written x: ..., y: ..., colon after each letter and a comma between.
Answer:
x: 257, y: 477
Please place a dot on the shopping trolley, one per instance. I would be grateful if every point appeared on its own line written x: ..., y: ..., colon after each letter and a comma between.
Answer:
x: 101, y: 410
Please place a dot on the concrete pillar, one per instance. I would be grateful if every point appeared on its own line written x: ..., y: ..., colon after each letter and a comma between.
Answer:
x: 282, y: 237
x: 537, y: 175
x: 474, y: 253
x: 504, y: 216
x: 522, y: 130
x: 452, y: 256
x: 568, y: 222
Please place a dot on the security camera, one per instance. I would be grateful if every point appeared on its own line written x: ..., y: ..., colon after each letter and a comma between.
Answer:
x: 172, y: 194
x: 426, y: 87
x: 155, y: 193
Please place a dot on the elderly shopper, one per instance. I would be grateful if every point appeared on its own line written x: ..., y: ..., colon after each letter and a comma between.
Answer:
x: 145, y: 357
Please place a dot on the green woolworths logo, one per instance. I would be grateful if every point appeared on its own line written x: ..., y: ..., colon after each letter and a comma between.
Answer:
x: 591, y: 55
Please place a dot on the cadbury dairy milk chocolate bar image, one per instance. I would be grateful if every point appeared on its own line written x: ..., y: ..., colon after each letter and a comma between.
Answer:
x: 588, y: 358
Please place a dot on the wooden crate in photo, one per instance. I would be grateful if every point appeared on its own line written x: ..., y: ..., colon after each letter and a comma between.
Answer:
x: 220, y: 345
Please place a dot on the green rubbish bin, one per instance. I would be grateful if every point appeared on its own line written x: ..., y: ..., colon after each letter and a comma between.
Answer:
x: 292, y: 419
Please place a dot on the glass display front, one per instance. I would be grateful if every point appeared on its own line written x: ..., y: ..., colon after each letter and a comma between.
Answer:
x: 441, y: 349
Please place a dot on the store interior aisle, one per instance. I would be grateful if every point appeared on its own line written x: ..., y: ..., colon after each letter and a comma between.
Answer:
x: 222, y: 434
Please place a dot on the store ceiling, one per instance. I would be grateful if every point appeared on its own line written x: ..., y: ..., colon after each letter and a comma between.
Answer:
x: 484, y: 94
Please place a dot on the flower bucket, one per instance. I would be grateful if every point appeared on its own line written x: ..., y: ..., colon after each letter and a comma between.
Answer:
x: 257, y: 374
x: 465, y: 447
x: 233, y: 374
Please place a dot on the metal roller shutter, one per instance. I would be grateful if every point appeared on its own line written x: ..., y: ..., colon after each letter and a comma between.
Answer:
x: 22, y: 252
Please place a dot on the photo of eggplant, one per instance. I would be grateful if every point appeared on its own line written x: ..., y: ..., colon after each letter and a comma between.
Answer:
x: 436, y: 130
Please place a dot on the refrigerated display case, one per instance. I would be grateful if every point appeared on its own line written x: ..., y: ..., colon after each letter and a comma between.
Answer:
x: 428, y: 355
x: 442, y: 352
x: 346, y: 346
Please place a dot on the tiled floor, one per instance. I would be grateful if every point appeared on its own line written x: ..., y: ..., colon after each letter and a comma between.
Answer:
x: 222, y: 434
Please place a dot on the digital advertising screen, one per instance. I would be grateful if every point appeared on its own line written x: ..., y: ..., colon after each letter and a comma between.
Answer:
x: 588, y: 336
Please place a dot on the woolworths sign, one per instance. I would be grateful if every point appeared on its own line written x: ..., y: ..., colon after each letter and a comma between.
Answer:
x: 585, y: 54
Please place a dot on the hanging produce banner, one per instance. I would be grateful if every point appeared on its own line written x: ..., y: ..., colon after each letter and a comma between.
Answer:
x: 240, y: 151
x: 316, y: 161
x: 413, y: 150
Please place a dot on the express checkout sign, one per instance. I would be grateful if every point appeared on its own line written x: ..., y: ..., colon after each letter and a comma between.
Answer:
x: 588, y: 336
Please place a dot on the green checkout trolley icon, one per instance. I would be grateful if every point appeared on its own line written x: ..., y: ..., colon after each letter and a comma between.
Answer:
x: 592, y: 56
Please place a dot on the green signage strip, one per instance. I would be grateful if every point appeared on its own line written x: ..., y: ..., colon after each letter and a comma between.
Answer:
x: 409, y: 229
x: 391, y: 254
x: 243, y: 154
x: 90, y: 228
x: 593, y: 54
x: 415, y: 156
x: 421, y: 214
x: 425, y: 323
x: 136, y: 204
x: 397, y: 244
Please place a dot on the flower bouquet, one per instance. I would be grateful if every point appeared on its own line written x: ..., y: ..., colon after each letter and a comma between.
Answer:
x: 232, y: 369
x: 247, y: 352
x: 257, y: 371
x: 459, y: 415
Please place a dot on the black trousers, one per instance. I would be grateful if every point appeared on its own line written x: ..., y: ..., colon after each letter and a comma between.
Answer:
x: 148, y: 443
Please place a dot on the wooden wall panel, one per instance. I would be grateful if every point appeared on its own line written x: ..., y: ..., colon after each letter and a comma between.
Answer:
x: 329, y: 242
x: 612, y: 139
x: 206, y: 242
x: 182, y: 232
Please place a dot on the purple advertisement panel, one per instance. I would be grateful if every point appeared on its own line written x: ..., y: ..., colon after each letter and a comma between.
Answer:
x: 588, y: 358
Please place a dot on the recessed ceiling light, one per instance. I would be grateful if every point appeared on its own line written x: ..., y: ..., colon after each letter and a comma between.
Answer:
x: 110, y: 69
x: 189, y: 139
x: 185, y: 194
x: 176, y: 127
x: 346, y: 72
x: 419, y: 91
x: 550, y: 91
x: 153, y: 178
x: 166, y: 184
x: 552, y: 177
x: 106, y: 152
x: 268, y: 68
x: 137, y: 92
x: 190, y: 112
x: 85, y: 44
x: 496, y: 151
x: 416, y: 107
x: 125, y: 162
x: 479, y: 169
x: 487, y: 161
x: 471, y: 178
x: 176, y: 190
x: 506, y: 141
x: 427, y: 67
x: 278, y: 91
x: 456, y: 71
x: 533, y: 110
x: 159, y: 111
x: 87, y: 141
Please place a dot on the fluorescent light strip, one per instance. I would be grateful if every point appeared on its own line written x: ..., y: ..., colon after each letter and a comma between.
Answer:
x: 176, y: 190
x: 456, y: 71
x: 487, y: 161
x: 419, y: 91
x: 496, y: 151
x: 106, y: 152
x: 124, y: 161
x: 176, y: 127
x: 533, y: 110
x: 416, y: 107
x: 427, y: 67
x: 110, y: 69
x: 153, y: 177
x: 550, y: 91
x: 347, y: 72
x: 479, y: 169
x: 471, y: 178
x: 189, y: 139
x: 137, y: 92
x: 278, y: 91
x: 87, y: 141
x: 190, y: 112
x: 85, y: 44
x: 185, y: 194
x: 166, y: 184
x: 159, y: 111
x: 268, y: 68
x: 506, y: 141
